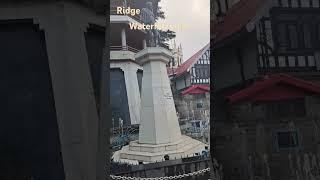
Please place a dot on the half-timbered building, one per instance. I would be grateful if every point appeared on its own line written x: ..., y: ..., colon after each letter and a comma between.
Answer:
x: 190, y: 84
x: 266, y: 78
x: 194, y: 71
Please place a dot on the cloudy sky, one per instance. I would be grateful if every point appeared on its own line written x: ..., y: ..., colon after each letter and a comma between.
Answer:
x: 195, y: 14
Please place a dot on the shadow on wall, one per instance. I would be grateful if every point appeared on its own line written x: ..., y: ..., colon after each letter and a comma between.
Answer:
x: 29, y: 137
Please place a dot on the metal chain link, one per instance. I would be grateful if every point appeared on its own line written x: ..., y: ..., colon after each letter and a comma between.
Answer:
x: 196, y: 173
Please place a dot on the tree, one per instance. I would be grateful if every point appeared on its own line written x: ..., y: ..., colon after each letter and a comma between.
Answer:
x: 165, y: 36
x: 159, y: 14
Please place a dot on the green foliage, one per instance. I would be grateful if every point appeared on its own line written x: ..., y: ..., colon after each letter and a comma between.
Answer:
x: 165, y: 36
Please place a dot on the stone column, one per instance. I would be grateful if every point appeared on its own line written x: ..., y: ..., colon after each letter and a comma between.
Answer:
x: 159, y: 122
x: 123, y: 39
x: 144, y: 43
x: 133, y: 93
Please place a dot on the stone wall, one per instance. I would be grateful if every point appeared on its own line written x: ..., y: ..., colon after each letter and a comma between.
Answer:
x: 190, y: 106
x: 248, y: 142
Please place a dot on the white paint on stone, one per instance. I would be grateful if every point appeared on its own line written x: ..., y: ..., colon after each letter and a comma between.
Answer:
x: 159, y: 122
x: 123, y: 38
x: 122, y: 55
x: 144, y: 44
x: 135, y: 152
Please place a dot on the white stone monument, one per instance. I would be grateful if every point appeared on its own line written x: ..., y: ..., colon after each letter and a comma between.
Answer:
x: 159, y: 131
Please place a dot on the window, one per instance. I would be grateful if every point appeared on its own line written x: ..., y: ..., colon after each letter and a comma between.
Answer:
x: 295, y: 32
x: 288, y: 36
x: 293, y: 36
x: 199, y: 105
x: 197, y: 124
x: 287, y: 139
x: 307, y: 36
x: 282, y: 39
x: 197, y: 72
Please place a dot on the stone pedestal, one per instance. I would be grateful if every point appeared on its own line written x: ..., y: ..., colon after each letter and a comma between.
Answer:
x: 159, y: 131
x: 159, y: 122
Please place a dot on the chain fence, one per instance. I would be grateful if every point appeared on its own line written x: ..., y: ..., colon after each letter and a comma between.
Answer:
x: 196, y: 173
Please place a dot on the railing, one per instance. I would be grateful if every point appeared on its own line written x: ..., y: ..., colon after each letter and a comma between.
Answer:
x: 171, y: 169
x: 124, y: 48
x: 202, y: 174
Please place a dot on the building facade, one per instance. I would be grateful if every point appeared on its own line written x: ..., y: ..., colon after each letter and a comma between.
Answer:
x: 194, y: 71
x: 51, y: 53
x: 266, y: 79
x: 125, y: 72
x: 177, y: 56
x: 190, y: 84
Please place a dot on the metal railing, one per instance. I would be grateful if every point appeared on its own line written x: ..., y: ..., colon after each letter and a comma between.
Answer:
x: 182, y: 176
x: 124, y: 48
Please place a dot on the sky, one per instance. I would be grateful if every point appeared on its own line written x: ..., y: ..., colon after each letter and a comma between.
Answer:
x: 195, y: 15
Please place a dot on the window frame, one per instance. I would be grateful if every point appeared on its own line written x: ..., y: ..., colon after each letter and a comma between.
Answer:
x: 276, y: 140
x: 199, y: 107
x: 295, y: 16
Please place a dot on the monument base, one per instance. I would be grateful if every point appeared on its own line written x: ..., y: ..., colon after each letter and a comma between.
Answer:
x: 148, y: 153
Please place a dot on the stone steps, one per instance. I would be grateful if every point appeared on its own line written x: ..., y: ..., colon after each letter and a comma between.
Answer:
x: 187, y: 147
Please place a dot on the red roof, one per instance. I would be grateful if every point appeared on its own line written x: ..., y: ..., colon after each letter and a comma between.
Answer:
x: 196, y: 89
x: 171, y: 71
x: 183, y: 68
x: 275, y: 87
x: 237, y: 18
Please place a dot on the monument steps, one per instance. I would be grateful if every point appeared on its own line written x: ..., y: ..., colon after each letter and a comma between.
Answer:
x: 185, y: 147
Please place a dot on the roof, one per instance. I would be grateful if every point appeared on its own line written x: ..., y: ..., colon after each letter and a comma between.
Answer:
x: 171, y: 71
x: 275, y: 87
x: 183, y: 68
x: 196, y: 89
x: 237, y: 18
